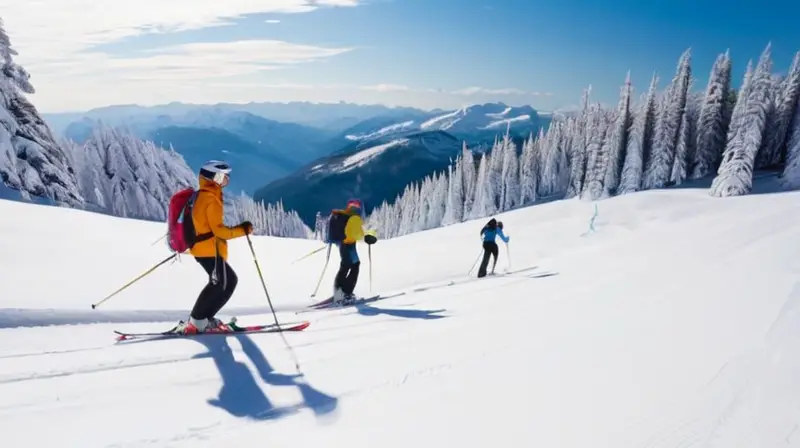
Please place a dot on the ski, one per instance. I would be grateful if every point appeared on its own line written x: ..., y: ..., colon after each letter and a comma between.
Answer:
x: 235, y: 329
x: 328, y: 304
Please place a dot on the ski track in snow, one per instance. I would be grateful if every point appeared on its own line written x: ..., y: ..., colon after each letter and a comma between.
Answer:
x: 675, y: 324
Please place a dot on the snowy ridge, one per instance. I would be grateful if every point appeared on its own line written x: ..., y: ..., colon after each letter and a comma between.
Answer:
x: 365, y: 155
x: 382, y: 132
x: 507, y: 121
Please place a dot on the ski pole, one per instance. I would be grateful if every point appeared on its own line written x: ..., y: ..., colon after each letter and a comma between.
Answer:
x: 475, y: 262
x: 508, y: 254
x: 308, y: 255
x: 369, y: 254
x: 162, y: 237
x: 319, y: 282
x: 95, y: 305
x: 277, y: 324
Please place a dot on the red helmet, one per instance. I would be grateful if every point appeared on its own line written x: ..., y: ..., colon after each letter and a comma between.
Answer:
x: 354, y: 203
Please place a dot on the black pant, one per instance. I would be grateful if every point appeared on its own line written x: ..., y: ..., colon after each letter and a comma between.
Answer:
x: 347, y: 277
x: 221, y: 284
x: 489, y: 249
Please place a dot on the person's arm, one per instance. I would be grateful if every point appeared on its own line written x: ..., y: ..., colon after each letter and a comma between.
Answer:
x: 218, y: 227
x: 502, y: 235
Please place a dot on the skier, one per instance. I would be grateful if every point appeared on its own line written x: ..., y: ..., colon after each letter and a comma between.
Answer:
x: 211, y: 249
x: 489, y: 232
x: 345, y: 228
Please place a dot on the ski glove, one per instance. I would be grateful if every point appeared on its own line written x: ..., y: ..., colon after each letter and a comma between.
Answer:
x: 370, y: 238
x: 247, y: 226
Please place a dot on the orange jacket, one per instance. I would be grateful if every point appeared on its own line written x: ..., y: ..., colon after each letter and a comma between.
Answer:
x: 208, y: 217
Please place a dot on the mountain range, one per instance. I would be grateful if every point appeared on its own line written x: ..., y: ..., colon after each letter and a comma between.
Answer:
x: 382, y: 155
x: 300, y: 164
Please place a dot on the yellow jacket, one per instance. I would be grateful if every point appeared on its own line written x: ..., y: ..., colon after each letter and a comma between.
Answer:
x: 207, y: 216
x: 354, y: 230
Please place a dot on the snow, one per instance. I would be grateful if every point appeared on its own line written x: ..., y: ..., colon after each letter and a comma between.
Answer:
x: 675, y: 323
x: 398, y: 127
x: 506, y: 122
x: 363, y: 156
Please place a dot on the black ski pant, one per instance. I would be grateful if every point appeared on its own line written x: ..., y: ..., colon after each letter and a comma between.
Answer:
x: 221, y: 284
x: 489, y: 249
x: 347, y: 277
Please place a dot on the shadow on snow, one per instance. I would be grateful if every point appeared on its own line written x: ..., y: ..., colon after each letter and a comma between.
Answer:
x: 367, y: 310
x: 242, y: 396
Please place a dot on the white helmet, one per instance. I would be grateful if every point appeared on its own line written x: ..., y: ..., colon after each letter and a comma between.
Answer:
x: 215, y: 170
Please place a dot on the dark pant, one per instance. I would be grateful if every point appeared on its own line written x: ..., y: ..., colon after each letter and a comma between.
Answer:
x: 347, y: 276
x: 221, y: 284
x: 489, y: 249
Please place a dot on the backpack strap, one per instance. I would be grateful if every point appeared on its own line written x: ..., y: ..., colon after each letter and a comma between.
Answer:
x: 188, y: 211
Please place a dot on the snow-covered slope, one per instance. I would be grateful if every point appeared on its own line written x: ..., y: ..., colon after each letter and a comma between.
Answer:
x: 675, y: 324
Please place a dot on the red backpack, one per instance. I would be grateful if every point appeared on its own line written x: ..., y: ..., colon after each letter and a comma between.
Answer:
x: 181, y: 234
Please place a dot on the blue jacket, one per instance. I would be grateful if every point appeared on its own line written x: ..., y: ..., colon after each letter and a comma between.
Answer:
x: 490, y: 235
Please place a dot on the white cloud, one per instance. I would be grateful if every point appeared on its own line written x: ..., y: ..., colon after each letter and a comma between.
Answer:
x: 471, y: 91
x: 42, y: 29
x: 387, y: 88
x: 272, y: 21
x: 54, y: 39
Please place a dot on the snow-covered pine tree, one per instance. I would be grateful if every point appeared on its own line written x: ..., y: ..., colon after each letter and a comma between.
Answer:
x: 510, y: 175
x: 687, y: 139
x: 787, y: 94
x: 439, y: 197
x: 484, y: 192
x: 712, y: 125
x: 269, y: 220
x: 122, y: 175
x: 618, y: 140
x: 790, y: 178
x: 454, y: 210
x: 735, y: 176
x: 640, y: 141
x: 495, y: 174
x: 658, y: 171
x: 31, y: 161
x: 470, y: 174
x: 527, y: 171
x: 596, y: 130
x: 578, y: 149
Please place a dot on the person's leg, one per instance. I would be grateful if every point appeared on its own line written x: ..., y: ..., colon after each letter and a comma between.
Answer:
x: 485, y: 262
x: 352, y: 276
x: 208, y: 296
x: 341, y: 277
x: 493, y: 248
x: 231, y: 280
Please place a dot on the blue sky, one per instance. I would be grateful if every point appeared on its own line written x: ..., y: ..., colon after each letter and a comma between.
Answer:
x: 422, y: 53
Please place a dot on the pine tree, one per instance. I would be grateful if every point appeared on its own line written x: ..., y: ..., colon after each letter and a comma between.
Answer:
x: 578, y: 149
x: 773, y: 151
x: 510, y: 175
x: 659, y: 168
x: 618, y: 140
x: 469, y: 175
x: 484, y: 193
x: 13, y: 72
x: 687, y: 138
x: 527, y: 172
x: 597, y: 157
x: 713, y: 121
x: 790, y: 178
x: 639, y: 142
x: 736, y: 171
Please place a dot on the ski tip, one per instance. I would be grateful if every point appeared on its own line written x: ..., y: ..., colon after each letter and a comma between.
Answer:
x: 300, y: 327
